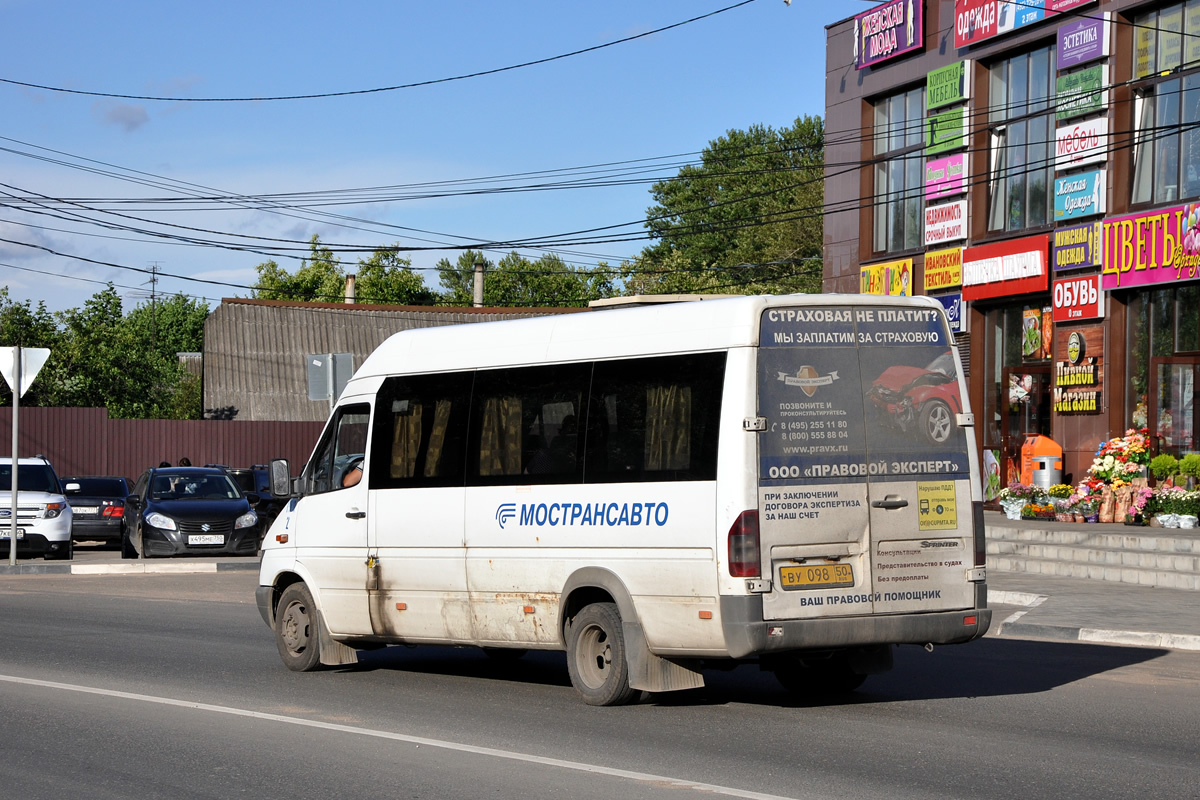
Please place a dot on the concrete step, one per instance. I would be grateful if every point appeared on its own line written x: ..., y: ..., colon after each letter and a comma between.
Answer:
x: 1142, y: 556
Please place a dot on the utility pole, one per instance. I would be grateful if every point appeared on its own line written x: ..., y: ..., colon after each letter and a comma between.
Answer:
x: 479, y: 282
x: 154, y: 306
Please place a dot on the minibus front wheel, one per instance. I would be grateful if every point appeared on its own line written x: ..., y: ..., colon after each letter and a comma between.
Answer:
x: 296, y: 631
x: 596, y: 657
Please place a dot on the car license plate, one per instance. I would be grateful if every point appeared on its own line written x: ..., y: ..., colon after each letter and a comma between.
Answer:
x: 816, y: 576
x: 6, y: 533
x: 86, y: 509
x: 206, y: 538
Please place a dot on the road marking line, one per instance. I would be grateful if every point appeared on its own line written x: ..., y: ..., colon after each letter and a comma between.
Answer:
x: 641, y: 777
x: 1030, y: 601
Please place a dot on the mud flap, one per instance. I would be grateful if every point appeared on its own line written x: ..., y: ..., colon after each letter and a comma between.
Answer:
x: 651, y: 673
x: 333, y: 653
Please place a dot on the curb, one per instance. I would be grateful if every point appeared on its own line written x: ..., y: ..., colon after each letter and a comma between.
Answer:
x: 1012, y: 627
x: 129, y: 568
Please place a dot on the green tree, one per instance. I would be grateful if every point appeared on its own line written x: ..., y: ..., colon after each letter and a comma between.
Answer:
x: 319, y: 278
x: 517, y: 281
x: 747, y: 219
x: 386, y: 277
x: 22, y: 325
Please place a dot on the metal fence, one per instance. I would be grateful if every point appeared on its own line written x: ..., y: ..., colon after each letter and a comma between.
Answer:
x: 84, y: 441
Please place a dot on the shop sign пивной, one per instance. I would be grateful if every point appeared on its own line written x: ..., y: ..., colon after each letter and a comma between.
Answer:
x: 946, y: 222
x: 948, y: 85
x: 943, y: 269
x: 1080, y: 195
x: 1083, y: 40
x: 945, y: 176
x: 1078, y: 246
x: 1078, y: 298
x: 1152, y: 248
x: 887, y: 31
x: 889, y: 278
x: 1078, y: 370
x: 1082, y: 92
x: 1002, y: 269
x: 1081, y: 143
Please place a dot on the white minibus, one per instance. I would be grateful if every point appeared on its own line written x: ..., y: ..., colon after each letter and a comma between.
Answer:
x: 786, y: 480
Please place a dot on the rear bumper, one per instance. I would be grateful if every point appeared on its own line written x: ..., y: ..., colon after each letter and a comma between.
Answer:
x: 747, y: 634
x: 96, y: 530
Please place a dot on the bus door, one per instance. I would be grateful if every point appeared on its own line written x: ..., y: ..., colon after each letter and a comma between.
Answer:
x: 864, y: 485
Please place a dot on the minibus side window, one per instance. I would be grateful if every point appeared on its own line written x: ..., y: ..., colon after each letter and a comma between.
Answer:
x: 420, y: 431
x: 655, y: 419
x: 341, y: 447
x: 525, y: 425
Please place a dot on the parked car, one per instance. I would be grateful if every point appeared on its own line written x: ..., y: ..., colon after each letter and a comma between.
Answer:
x: 43, y: 515
x: 189, y: 511
x: 97, y: 507
x: 920, y: 400
x: 257, y: 480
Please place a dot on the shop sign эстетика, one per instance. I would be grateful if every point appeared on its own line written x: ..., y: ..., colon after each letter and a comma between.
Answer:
x: 1153, y: 247
x: 1083, y: 40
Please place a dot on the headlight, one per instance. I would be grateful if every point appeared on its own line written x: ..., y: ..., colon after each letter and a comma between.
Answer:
x: 160, y: 521
x: 246, y: 520
x: 53, y: 510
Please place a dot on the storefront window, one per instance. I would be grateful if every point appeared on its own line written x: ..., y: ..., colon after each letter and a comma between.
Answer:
x: 899, y: 141
x: 1018, y: 401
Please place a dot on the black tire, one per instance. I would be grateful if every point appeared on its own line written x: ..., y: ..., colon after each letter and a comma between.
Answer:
x: 816, y: 677
x: 296, y: 632
x: 937, y: 423
x: 127, y: 550
x: 596, y: 656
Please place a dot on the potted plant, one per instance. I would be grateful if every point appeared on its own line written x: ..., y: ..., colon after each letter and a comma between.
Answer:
x: 1060, y: 497
x: 1014, y: 497
x: 1164, y: 465
x: 1188, y: 505
x: 1141, y: 507
x: 1189, y: 466
x: 1167, y: 501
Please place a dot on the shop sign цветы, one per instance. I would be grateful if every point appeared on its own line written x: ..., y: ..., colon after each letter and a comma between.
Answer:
x: 1078, y: 298
x: 1081, y: 143
x: 1078, y: 246
x: 1082, y: 92
x: 946, y: 222
x: 889, y: 278
x: 1083, y: 40
x: 945, y: 176
x: 943, y: 269
x: 948, y: 85
x: 1153, y: 247
x: 1078, y: 375
x: 977, y: 21
x: 945, y: 131
x: 1001, y: 269
x: 887, y: 31
x: 1080, y: 195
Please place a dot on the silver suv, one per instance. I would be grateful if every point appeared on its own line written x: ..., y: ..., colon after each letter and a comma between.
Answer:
x: 43, y: 515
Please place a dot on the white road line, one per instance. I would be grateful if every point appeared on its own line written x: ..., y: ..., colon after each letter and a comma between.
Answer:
x: 1030, y: 601
x: 641, y: 777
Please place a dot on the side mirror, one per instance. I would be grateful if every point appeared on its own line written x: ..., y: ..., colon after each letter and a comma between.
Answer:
x: 281, y: 478
x: 252, y: 497
x: 71, y: 487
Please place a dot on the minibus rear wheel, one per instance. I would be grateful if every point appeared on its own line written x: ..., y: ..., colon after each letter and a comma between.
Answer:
x: 296, y: 629
x: 596, y: 656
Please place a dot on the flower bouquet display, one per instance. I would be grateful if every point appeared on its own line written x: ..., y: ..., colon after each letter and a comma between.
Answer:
x: 1016, y: 496
x: 1060, y: 497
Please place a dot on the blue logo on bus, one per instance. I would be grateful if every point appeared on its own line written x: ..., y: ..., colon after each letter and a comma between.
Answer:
x: 505, y: 512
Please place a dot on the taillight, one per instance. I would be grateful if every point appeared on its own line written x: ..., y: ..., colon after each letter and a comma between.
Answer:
x: 114, y: 511
x: 744, y: 559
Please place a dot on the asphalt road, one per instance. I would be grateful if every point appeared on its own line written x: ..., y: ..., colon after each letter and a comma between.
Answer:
x: 167, y: 686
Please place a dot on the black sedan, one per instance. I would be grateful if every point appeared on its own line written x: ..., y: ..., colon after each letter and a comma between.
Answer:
x: 189, y: 511
x: 97, y: 507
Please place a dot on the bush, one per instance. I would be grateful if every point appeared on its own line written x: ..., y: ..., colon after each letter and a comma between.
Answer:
x: 1190, y: 465
x: 1164, y: 466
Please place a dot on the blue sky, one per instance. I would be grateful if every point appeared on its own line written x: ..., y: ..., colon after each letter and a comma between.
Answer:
x: 668, y: 94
